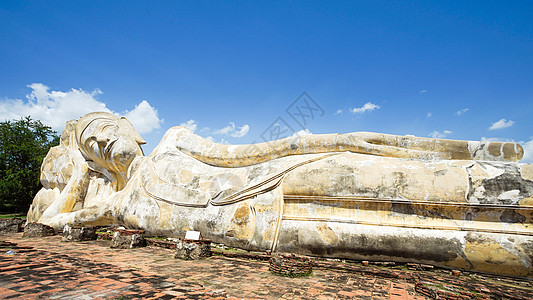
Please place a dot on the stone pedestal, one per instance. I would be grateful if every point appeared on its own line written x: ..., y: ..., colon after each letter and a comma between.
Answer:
x: 290, y: 265
x: 37, y: 230
x: 78, y: 233
x: 128, y: 239
x: 192, y: 250
x: 12, y: 225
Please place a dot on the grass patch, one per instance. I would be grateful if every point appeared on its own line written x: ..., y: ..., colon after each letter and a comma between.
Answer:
x: 292, y: 275
x: 234, y: 250
x: 17, y: 215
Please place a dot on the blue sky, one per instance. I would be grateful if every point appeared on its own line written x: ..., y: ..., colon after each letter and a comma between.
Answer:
x: 232, y: 70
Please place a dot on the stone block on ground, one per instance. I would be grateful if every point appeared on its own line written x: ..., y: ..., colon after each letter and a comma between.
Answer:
x: 11, y: 225
x: 128, y: 239
x: 37, y: 230
x: 192, y: 250
x: 78, y: 233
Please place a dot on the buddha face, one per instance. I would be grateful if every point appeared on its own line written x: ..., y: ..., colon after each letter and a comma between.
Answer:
x: 109, y: 141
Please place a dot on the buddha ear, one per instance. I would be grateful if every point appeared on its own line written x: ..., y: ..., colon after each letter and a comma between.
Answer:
x: 124, y: 123
x: 60, y: 162
x: 68, y: 137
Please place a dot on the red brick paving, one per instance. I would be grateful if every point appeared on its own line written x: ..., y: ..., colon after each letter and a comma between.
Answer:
x: 91, y: 270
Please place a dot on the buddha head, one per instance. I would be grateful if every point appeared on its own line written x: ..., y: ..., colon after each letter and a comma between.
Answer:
x: 108, y: 143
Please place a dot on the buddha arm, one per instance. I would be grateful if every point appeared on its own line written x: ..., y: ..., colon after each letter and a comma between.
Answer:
x: 358, y: 142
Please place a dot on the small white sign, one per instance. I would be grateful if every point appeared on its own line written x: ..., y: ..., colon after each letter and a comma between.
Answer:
x: 193, y: 235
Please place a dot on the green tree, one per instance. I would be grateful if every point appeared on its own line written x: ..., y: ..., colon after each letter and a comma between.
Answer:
x: 23, y: 145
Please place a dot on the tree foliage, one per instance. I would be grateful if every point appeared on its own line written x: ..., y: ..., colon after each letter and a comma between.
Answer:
x: 23, y: 145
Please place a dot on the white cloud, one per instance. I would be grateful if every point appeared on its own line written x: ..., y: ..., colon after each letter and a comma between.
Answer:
x: 226, y: 129
x: 528, y: 152
x: 301, y: 133
x: 144, y: 117
x: 429, y: 115
x: 191, y: 124
x: 462, y: 111
x: 339, y: 111
x: 503, y: 123
x: 241, y: 132
x: 54, y: 108
x: 369, y: 106
x: 423, y: 91
x: 230, y: 130
x: 440, y: 135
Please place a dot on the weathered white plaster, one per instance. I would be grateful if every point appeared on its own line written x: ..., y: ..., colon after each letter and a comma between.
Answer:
x: 356, y: 195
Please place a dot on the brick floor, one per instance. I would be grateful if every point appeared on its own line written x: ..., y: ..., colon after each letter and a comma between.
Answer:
x: 51, y: 269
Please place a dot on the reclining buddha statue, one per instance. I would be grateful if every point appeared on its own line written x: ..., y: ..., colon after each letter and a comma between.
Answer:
x: 371, y: 196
